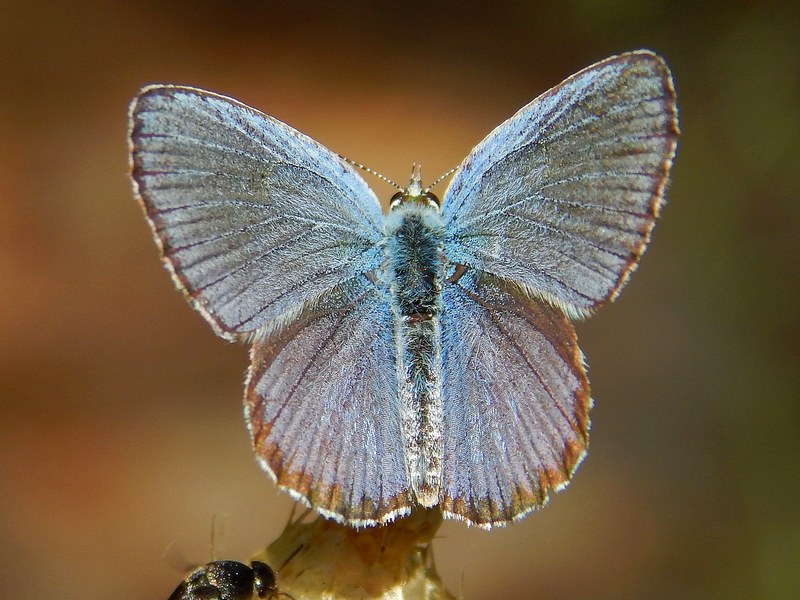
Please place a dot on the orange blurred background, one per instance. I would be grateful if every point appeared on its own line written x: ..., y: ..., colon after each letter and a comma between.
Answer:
x: 121, y: 429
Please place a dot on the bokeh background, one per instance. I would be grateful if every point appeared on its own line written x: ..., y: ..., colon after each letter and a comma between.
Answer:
x: 120, y: 413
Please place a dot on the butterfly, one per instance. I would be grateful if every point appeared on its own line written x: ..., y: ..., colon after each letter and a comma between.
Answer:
x: 425, y: 357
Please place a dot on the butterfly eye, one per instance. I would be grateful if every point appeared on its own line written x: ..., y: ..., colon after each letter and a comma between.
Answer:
x: 431, y: 199
x: 396, y: 200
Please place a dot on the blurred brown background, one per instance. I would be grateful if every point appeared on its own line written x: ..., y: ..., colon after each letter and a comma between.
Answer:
x: 121, y: 428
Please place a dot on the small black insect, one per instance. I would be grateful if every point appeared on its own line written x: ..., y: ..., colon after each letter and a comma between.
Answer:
x: 228, y: 580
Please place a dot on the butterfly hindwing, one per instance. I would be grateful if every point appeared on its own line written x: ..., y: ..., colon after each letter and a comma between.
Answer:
x: 516, y: 397
x: 253, y: 218
x: 562, y: 197
x: 323, y: 411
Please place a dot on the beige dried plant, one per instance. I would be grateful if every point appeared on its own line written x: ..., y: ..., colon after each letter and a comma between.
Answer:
x: 320, y: 559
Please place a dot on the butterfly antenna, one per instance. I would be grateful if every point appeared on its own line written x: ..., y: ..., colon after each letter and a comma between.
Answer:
x: 445, y: 176
x: 371, y: 172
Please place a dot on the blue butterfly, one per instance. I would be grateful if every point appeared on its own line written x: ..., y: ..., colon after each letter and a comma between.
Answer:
x: 424, y: 357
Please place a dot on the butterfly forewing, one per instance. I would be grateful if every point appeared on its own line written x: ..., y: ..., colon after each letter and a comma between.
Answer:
x: 253, y: 218
x: 516, y: 398
x: 562, y: 197
x: 323, y: 410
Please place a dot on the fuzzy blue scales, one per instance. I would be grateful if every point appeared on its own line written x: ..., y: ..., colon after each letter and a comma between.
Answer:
x: 415, y: 263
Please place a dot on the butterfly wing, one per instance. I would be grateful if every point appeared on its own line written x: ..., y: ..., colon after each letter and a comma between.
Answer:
x: 323, y: 410
x: 556, y: 204
x: 516, y: 400
x: 269, y: 234
x: 252, y: 217
x: 562, y: 197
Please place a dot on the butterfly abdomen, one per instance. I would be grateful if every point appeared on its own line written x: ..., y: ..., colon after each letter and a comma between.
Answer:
x: 415, y: 273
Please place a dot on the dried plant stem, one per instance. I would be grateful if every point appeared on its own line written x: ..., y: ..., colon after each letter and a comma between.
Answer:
x: 324, y: 560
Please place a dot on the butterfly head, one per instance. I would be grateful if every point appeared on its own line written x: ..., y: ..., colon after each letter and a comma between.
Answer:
x: 415, y: 193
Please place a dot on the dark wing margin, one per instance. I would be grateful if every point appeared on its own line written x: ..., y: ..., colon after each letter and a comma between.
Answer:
x: 516, y: 397
x: 322, y: 406
x: 562, y: 197
x: 252, y: 217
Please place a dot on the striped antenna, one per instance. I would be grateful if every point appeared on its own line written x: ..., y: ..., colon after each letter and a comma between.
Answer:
x: 445, y: 176
x: 372, y: 172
